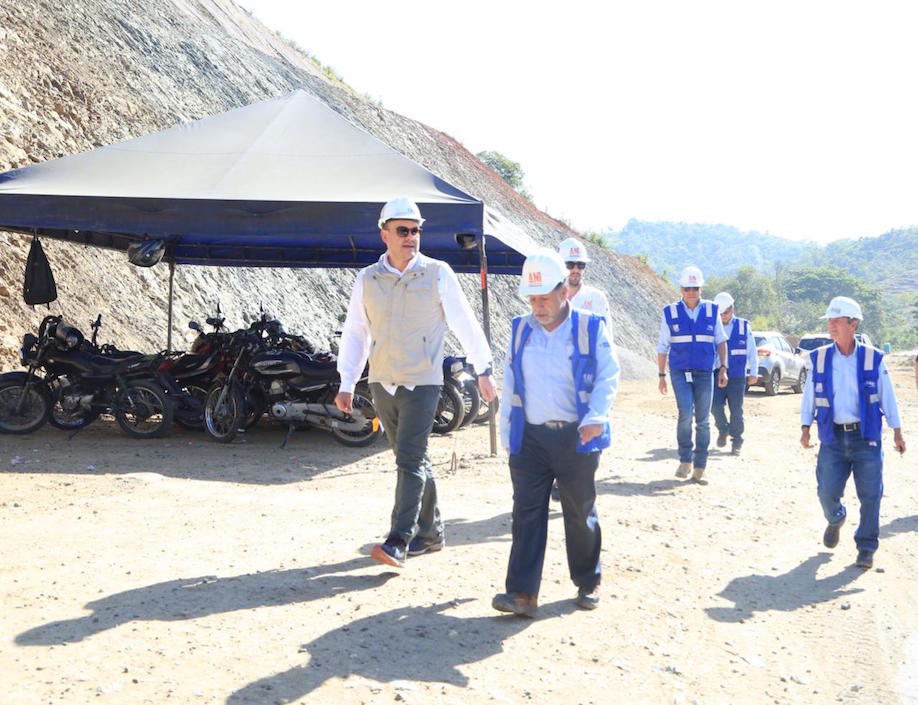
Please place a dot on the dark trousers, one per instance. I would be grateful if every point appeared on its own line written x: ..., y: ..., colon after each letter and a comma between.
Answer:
x: 544, y: 456
x: 730, y: 396
x: 407, y: 417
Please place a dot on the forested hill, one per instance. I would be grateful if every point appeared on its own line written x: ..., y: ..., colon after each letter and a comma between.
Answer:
x: 889, y: 260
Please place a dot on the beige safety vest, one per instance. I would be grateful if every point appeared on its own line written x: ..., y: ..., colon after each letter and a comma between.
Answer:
x: 407, y: 325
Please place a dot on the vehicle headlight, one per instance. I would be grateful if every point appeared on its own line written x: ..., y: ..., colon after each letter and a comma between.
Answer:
x: 457, y: 366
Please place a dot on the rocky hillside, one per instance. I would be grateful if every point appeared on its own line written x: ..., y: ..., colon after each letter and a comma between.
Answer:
x: 74, y: 76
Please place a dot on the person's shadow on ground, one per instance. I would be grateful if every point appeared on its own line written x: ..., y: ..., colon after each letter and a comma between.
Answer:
x: 408, y: 643
x: 196, y: 597
x: 786, y: 592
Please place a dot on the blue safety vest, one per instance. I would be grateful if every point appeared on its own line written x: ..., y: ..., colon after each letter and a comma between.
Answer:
x: 736, y: 349
x: 585, y: 332
x: 868, y: 372
x: 691, y: 343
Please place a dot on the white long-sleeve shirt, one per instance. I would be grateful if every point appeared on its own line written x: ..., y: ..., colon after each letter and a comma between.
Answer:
x: 354, y: 348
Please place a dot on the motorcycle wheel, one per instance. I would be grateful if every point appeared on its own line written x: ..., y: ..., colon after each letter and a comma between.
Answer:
x: 35, y: 410
x: 471, y: 401
x: 222, y: 422
x: 60, y: 416
x: 188, y: 420
x: 143, y: 411
x: 255, y: 407
x: 484, y: 412
x: 371, y: 431
x: 449, y: 410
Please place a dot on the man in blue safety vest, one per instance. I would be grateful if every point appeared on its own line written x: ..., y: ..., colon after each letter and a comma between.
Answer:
x: 848, y: 391
x: 560, y: 378
x: 692, y: 336
x: 742, y: 367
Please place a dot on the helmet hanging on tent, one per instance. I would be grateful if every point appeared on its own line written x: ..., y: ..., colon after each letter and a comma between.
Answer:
x: 146, y: 253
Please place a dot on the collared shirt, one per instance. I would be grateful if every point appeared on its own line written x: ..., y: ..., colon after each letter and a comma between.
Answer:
x: 845, y: 399
x: 752, y: 356
x: 591, y: 299
x: 354, y: 348
x: 663, y: 342
x: 549, y: 379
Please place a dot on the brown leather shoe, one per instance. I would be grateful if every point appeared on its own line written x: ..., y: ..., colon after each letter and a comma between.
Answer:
x: 522, y: 604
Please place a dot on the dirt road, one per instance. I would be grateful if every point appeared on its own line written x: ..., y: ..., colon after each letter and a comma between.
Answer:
x: 184, y: 571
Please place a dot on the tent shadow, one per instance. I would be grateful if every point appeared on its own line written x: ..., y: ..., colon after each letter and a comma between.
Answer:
x: 192, y: 598
x: 787, y: 592
x: 409, y: 643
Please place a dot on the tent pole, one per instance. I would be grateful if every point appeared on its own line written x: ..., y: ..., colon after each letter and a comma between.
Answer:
x: 486, y: 316
x: 169, y: 329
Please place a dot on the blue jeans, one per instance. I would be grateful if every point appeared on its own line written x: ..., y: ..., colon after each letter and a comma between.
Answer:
x: 693, y: 398
x: 547, y: 454
x: 408, y: 417
x: 852, y: 454
x: 732, y: 396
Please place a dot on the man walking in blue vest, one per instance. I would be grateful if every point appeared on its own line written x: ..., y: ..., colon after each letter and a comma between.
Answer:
x: 692, y: 336
x: 560, y: 378
x: 742, y: 366
x: 848, y: 391
x: 397, y: 317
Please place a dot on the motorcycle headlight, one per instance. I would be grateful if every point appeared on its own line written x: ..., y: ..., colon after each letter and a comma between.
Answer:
x: 456, y: 367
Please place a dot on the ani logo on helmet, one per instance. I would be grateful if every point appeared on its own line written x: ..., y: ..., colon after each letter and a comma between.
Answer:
x: 535, y: 278
x: 575, y: 251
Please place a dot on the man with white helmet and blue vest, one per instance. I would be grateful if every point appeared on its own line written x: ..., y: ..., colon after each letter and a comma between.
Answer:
x: 742, y: 367
x: 847, y: 392
x: 692, y: 337
x: 397, y: 317
x: 560, y: 378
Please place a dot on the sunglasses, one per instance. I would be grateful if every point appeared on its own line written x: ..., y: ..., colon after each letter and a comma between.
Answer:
x: 691, y: 288
x: 403, y: 231
x: 577, y: 265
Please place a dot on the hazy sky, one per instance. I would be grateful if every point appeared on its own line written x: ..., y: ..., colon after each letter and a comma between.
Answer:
x: 797, y: 118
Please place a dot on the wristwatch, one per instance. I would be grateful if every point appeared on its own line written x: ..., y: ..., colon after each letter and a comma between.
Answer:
x: 662, y: 374
x: 804, y: 427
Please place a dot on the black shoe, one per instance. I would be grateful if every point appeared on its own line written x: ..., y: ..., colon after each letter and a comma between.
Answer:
x: 830, y: 536
x: 420, y: 545
x: 390, y: 553
x: 721, y: 440
x: 588, y: 598
x: 555, y: 492
x: 735, y: 450
x: 522, y: 604
x: 864, y: 560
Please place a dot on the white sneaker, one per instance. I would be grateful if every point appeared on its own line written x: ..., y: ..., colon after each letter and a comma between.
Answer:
x: 684, y: 470
x: 697, y: 474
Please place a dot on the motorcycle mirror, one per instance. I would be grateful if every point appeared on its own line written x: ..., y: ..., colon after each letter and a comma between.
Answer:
x: 194, y: 325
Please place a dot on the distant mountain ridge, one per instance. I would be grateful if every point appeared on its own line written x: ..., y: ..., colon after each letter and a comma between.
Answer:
x: 889, y: 260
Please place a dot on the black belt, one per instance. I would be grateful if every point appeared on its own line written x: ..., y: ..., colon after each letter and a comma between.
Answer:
x: 558, y: 425
x: 848, y: 427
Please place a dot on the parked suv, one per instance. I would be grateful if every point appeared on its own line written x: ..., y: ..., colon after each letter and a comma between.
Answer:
x: 779, y: 366
x: 811, y: 341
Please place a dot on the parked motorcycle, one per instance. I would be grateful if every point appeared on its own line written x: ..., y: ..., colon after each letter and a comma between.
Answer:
x: 298, y: 388
x: 73, y: 386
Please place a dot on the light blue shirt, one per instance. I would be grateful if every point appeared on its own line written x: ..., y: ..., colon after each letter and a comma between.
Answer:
x: 845, y: 402
x: 752, y: 357
x: 549, y: 379
x: 719, y: 334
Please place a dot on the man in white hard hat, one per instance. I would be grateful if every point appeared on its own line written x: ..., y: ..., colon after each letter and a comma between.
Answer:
x: 397, y: 317
x: 742, y: 368
x: 580, y: 294
x: 692, y: 337
x: 848, y: 392
x: 560, y: 378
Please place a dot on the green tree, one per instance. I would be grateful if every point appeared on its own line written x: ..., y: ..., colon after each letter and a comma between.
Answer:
x: 809, y: 290
x: 753, y: 292
x: 507, y: 169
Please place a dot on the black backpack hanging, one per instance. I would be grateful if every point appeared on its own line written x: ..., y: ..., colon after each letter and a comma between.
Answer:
x: 39, y: 286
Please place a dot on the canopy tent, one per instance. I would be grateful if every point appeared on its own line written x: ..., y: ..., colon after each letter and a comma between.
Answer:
x: 285, y: 182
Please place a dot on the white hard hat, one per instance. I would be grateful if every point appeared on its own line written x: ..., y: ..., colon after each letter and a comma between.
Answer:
x: 842, y: 306
x: 572, y: 250
x: 723, y: 301
x: 543, y: 270
x: 691, y: 276
x: 400, y: 208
